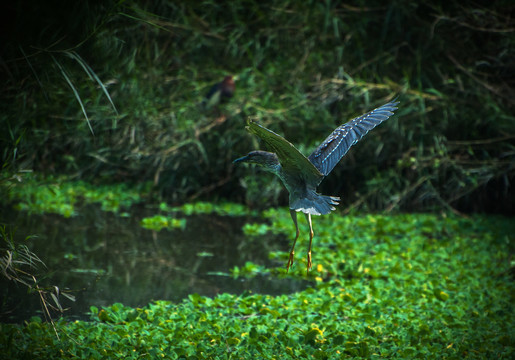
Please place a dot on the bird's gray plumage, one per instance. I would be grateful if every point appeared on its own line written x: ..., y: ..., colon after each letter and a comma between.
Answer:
x: 301, y: 175
x: 336, y: 145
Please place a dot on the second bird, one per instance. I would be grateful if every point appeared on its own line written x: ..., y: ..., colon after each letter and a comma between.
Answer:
x: 301, y: 175
x: 219, y: 92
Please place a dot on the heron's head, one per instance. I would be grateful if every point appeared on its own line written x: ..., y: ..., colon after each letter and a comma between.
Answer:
x: 263, y: 158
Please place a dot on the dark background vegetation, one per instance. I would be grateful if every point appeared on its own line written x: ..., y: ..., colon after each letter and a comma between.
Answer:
x: 110, y: 91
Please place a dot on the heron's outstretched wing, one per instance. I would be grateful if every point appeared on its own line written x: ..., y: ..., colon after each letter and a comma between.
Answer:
x: 329, y: 153
x: 291, y: 159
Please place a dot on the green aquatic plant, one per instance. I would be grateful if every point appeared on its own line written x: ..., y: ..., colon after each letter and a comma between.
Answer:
x: 404, y: 286
x: 202, y: 207
x: 37, y: 194
x: 159, y: 222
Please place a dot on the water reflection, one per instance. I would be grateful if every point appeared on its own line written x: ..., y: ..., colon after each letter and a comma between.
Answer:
x: 106, y: 258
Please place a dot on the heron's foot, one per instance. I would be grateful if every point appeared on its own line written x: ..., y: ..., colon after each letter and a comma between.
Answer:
x: 309, y: 262
x: 290, y: 261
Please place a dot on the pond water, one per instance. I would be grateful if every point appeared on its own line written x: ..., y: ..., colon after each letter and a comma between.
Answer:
x: 103, y: 258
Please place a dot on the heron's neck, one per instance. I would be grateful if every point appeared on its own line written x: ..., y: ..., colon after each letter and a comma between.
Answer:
x: 272, y: 164
x: 274, y: 169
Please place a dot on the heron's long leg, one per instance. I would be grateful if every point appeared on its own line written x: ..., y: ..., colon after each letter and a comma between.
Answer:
x: 311, y: 234
x: 293, y: 214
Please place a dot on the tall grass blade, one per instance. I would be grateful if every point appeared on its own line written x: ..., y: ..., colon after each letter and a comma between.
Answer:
x: 76, y: 93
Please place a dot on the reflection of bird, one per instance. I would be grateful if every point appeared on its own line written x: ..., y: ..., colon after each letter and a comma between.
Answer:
x: 219, y: 92
x: 301, y: 175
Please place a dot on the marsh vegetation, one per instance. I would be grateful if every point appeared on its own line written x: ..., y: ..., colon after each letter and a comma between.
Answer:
x: 107, y: 149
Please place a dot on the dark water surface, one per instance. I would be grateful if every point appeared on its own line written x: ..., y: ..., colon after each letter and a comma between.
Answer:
x: 105, y: 258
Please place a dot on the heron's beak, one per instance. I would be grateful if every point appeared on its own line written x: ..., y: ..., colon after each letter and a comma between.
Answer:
x: 242, y: 159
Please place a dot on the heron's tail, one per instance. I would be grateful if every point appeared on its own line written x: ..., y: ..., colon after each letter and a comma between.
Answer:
x: 315, y: 204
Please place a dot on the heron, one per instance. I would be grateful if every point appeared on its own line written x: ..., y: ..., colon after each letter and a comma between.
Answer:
x: 301, y: 175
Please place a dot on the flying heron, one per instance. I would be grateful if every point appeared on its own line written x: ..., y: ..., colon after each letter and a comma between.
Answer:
x: 301, y: 175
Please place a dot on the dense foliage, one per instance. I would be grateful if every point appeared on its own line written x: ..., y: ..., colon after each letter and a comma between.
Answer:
x: 404, y: 286
x: 116, y: 96
x: 102, y: 101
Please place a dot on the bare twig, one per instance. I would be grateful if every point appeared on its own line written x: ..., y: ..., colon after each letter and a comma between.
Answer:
x: 486, y: 85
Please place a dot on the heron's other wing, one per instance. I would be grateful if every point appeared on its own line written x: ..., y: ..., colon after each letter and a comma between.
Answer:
x: 329, y: 153
x: 291, y: 159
